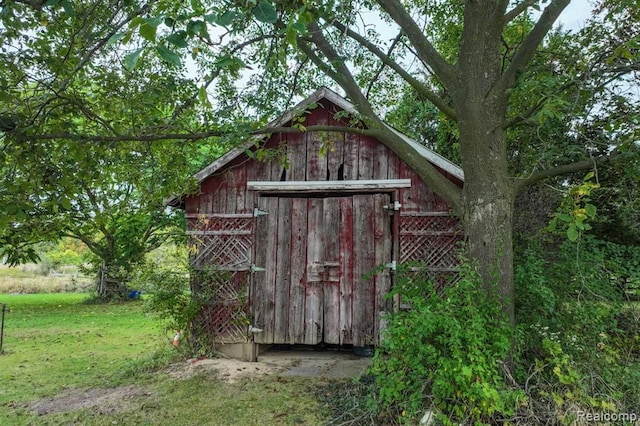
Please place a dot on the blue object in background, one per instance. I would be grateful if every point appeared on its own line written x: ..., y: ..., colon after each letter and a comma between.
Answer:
x: 134, y: 294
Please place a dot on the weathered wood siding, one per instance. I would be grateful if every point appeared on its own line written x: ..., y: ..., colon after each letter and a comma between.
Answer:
x: 314, y: 156
x: 318, y: 250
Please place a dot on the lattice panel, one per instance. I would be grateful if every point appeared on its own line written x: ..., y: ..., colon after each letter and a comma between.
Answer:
x: 428, y: 224
x: 224, y: 241
x: 226, y: 322
x: 221, y: 247
x: 437, y: 251
x: 225, y: 318
x: 227, y: 252
x: 431, y: 240
x: 230, y: 223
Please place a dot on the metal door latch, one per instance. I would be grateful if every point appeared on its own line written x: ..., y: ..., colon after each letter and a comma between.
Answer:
x: 395, y: 206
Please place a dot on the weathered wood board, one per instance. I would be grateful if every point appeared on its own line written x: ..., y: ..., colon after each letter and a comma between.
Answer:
x: 321, y: 241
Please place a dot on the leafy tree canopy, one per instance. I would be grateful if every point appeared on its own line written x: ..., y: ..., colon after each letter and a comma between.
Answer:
x: 499, y: 74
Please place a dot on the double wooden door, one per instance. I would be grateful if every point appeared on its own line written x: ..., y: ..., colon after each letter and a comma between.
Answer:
x: 320, y: 269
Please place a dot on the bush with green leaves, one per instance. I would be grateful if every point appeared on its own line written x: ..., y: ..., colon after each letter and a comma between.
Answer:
x: 183, y: 297
x: 445, y: 353
x: 165, y: 280
x: 578, y: 343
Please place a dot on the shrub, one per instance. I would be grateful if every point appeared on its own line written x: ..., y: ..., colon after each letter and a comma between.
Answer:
x: 577, y: 343
x: 446, y: 353
x: 168, y: 286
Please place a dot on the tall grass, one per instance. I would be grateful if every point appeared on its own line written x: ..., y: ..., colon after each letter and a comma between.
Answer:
x: 31, y: 279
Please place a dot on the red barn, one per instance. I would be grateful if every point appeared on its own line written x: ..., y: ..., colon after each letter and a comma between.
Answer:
x: 304, y: 246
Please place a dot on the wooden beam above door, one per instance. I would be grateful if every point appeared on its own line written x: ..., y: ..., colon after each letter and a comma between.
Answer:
x: 329, y: 185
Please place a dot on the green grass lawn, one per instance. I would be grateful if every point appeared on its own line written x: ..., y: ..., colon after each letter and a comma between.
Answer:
x: 55, y: 344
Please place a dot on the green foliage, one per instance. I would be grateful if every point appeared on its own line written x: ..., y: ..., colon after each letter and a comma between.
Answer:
x: 165, y: 279
x: 67, y: 251
x: 576, y: 209
x: 168, y: 280
x: 577, y: 342
x: 445, y: 352
x: 108, y: 197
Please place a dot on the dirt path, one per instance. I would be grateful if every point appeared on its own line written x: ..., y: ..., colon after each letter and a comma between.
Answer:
x: 324, y: 364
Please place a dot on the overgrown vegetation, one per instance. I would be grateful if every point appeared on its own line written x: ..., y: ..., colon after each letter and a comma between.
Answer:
x: 168, y: 281
x: 445, y: 353
x: 576, y: 344
x: 578, y: 337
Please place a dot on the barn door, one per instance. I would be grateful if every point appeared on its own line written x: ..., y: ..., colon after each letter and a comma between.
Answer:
x: 316, y: 254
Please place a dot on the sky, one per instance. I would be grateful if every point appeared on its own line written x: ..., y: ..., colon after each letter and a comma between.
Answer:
x: 575, y: 15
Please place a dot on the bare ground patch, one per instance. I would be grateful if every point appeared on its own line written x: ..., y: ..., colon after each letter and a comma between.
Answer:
x: 102, y: 401
x: 228, y: 370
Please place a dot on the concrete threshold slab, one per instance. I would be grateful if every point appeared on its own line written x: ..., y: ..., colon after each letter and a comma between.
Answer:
x: 330, y: 364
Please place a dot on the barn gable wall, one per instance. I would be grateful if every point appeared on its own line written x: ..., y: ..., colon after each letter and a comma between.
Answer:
x: 312, y: 280
x: 313, y: 156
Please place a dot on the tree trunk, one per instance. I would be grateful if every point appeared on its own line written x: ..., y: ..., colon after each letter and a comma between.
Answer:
x: 488, y: 218
x: 488, y: 194
x: 112, y: 284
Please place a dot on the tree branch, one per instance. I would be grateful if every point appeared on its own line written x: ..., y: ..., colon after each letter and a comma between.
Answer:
x: 343, y: 75
x: 190, y: 136
x: 615, y: 71
x: 559, y: 171
x: 517, y: 10
x: 386, y: 60
x: 444, y: 71
x: 211, y: 77
x: 376, y: 75
x: 378, y: 129
x: 529, y: 47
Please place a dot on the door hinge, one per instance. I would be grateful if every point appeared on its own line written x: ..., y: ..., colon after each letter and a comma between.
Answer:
x: 255, y: 268
x: 395, y: 206
x: 257, y: 212
x: 393, y: 265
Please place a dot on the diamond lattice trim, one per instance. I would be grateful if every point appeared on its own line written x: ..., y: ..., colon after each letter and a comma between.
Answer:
x: 225, y: 318
x: 430, y: 240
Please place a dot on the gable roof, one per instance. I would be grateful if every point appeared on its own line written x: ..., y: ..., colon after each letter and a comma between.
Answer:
x: 328, y: 94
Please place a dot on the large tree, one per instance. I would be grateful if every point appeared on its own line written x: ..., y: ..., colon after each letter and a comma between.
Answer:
x: 473, y: 60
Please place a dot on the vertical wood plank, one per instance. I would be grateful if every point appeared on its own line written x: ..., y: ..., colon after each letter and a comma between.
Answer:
x: 297, y: 154
x: 346, y: 266
x: 316, y: 163
x: 231, y: 203
x: 380, y: 161
x: 264, y: 299
x: 297, y: 292
x: 423, y: 196
x: 219, y: 195
x: 407, y: 195
x: 365, y: 158
x: 363, y: 263
x: 206, y: 197
x: 383, y: 245
x: 351, y: 147
x: 238, y: 190
x: 335, y: 157
x: 258, y: 170
x: 313, y: 297
x: 332, y: 270
x: 277, y: 167
x: 282, y: 273
x: 394, y: 165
